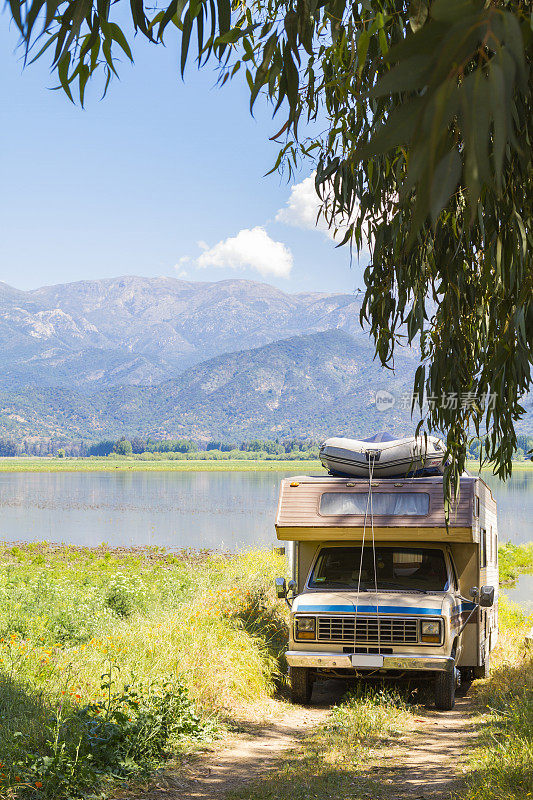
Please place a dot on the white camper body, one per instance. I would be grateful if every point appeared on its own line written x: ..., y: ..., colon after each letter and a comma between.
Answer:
x: 392, y: 593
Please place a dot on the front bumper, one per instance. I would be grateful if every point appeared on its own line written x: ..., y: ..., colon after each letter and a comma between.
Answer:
x: 318, y: 660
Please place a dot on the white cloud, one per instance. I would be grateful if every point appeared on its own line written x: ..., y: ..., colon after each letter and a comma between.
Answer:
x: 180, y: 272
x: 302, y: 207
x: 250, y: 248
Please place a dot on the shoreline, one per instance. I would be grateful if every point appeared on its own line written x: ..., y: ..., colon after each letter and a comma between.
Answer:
x: 104, y: 464
x: 132, y: 465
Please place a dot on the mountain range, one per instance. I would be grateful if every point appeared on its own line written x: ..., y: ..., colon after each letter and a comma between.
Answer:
x: 141, y: 331
x: 172, y: 358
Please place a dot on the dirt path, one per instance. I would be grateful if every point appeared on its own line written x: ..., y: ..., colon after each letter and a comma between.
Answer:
x: 248, y: 759
x: 426, y: 764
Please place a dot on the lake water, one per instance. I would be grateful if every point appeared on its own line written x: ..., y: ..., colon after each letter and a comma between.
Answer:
x: 522, y: 593
x: 221, y: 510
x: 216, y: 510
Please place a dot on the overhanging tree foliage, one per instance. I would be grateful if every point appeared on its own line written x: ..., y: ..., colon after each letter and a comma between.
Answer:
x: 425, y: 118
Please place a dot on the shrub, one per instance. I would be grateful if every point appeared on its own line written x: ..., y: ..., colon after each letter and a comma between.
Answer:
x: 122, y: 735
x: 514, y: 559
x: 66, y: 615
x: 124, y: 595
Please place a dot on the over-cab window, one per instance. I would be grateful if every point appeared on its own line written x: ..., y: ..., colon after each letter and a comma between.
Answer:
x: 411, y: 504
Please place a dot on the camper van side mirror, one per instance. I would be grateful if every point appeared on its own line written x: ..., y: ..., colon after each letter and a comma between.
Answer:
x: 291, y: 586
x: 474, y: 593
x: 281, y: 588
x: 486, y: 596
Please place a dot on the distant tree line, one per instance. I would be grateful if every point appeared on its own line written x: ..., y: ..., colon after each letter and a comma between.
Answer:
x: 150, y: 448
x: 269, y: 446
x: 136, y: 445
x: 42, y: 447
x: 145, y: 446
x: 523, y: 450
x: 187, y: 448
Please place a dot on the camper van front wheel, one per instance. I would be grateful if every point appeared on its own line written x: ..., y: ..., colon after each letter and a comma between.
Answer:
x: 445, y: 684
x: 301, y: 685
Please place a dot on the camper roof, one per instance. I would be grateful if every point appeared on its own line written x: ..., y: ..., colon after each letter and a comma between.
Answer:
x: 324, y: 507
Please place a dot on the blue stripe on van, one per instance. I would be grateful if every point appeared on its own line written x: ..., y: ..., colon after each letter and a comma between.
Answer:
x: 302, y: 609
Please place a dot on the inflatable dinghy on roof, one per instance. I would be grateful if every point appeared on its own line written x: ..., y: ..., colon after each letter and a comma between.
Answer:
x: 386, y: 456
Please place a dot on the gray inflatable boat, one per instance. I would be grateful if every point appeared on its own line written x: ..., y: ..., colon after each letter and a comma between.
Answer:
x: 388, y: 457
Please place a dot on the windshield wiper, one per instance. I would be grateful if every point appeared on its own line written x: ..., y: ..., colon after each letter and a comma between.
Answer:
x: 332, y: 587
x: 400, y: 588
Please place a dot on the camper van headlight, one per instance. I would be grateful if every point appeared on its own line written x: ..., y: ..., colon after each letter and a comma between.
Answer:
x: 430, y: 631
x: 304, y: 627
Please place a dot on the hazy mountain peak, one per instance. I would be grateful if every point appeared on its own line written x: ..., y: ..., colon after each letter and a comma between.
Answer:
x: 230, y: 359
x: 163, y: 324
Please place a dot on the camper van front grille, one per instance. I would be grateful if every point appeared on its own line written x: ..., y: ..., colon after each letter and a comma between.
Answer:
x: 391, y: 630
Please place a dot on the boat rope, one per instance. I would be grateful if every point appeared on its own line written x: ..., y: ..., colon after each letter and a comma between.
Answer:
x: 369, y: 507
x: 374, y: 554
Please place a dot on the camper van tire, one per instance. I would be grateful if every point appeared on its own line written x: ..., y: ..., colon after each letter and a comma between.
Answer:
x: 445, y: 685
x: 301, y: 685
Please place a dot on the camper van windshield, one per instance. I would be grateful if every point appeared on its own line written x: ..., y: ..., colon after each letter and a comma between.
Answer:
x: 400, y: 568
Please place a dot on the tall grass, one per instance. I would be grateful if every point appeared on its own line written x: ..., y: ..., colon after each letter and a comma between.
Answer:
x: 514, y: 559
x: 109, y: 660
x: 502, y: 767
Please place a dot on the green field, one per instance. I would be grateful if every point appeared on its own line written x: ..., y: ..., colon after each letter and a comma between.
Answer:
x: 103, y: 666
x: 124, y: 464
x: 518, y: 466
x: 103, y: 675
x: 105, y: 464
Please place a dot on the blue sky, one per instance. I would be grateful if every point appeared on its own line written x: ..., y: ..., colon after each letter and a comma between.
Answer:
x: 162, y: 177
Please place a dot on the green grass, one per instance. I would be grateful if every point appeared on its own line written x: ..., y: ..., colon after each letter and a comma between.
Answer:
x: 472, y: 465
x: 107, y: 665
x: 105, y: 464
x: 110, y: 659
x: 502, y: 767
x: 514, y: 560
x: 129, y: 464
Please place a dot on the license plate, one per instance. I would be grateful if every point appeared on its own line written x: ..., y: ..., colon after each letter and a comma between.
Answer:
x: 366, y: 660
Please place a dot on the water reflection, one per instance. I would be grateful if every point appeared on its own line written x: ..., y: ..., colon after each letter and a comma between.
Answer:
x: 515, y: 506
x: 223, y: 510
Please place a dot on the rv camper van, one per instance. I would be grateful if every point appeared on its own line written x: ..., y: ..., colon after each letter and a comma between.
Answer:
x: 381, y: 587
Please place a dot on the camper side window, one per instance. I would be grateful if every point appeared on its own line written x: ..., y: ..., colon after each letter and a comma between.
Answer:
x: 483, y: 547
